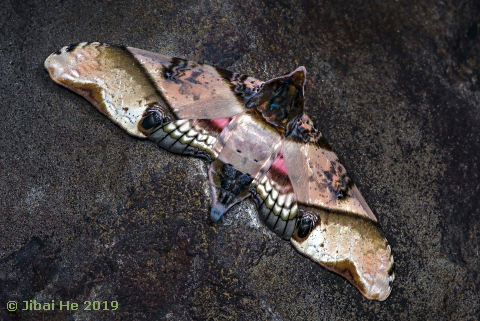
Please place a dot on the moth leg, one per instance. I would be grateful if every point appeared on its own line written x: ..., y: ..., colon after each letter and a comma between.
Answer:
x: 229, y: 186
x: 278, y: 211
x: 183, y: 137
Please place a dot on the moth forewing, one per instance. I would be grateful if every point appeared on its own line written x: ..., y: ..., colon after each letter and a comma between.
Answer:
x: 195, y: 91
x: 110, y: 78
x: 353, y: 247
x: 319, y: 179
x: 345, y: 236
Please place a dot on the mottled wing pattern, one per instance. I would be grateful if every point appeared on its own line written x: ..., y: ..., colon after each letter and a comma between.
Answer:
x: 317, y: 176
x: 151, y: 95
x: 341, y: 233
x: 196, y: 91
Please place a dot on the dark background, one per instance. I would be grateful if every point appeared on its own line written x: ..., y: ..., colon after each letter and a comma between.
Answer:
x: 89, y: 213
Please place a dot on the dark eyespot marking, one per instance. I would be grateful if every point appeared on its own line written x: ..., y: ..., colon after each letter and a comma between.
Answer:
x: 152, y: 119
x: 239, y: 151
x: 304, y: 227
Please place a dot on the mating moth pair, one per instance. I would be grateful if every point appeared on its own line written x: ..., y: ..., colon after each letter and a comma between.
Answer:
x: 257, y: 139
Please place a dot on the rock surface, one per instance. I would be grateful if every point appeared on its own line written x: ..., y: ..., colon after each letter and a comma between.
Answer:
x: 91, y: 214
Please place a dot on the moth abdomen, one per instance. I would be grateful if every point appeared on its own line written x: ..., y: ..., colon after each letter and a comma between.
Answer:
x: 184, y: 137
x: 276, y: 208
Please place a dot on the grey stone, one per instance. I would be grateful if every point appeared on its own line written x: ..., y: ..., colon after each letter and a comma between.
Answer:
x: 91, y: 214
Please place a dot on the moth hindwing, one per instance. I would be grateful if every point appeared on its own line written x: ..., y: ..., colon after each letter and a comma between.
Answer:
x: 257, y: 139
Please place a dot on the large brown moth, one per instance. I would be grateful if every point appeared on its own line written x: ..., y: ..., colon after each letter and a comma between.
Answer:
x: 257, y: 139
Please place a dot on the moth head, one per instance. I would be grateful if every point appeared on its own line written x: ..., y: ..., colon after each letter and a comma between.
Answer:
x: 280, y: 100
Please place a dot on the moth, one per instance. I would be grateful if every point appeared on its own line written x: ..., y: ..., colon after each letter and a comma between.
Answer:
x: 257, y: 139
